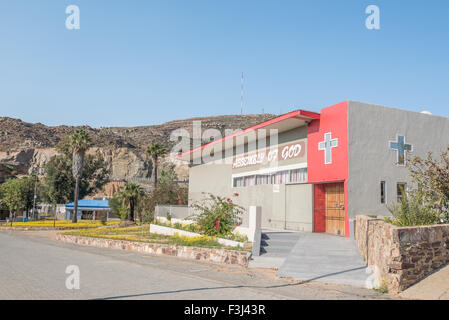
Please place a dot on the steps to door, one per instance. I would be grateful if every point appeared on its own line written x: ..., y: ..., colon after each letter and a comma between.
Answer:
x: 275, y: 246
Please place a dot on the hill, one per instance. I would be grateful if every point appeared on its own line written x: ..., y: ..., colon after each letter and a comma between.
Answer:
x: 27, y: 147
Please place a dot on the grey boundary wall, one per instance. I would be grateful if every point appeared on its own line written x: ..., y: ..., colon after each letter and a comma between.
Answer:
x: 205, y: 254
x: 401, y: 256
x: 176, y: 211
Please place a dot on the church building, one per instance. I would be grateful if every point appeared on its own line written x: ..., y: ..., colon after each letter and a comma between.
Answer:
x: 315, y: 172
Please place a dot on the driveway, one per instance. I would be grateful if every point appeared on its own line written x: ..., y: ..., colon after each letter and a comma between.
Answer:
x: 33, y: 266
x: 327, y: 258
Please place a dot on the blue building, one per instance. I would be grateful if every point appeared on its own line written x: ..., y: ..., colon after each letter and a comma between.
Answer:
x: 88, y: 209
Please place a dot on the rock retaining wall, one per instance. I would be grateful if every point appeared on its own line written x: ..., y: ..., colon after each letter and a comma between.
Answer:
x: 204, y: 254
x: 401, y: 256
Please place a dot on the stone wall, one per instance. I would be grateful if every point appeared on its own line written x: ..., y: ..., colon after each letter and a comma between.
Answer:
x: 204, y: 254
x: 401, y: 256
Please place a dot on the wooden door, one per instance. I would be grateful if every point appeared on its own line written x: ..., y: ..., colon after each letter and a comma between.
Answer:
x: 335, y: 208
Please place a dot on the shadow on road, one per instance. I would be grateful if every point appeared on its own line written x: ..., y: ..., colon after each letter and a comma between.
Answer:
x: 298, y: 283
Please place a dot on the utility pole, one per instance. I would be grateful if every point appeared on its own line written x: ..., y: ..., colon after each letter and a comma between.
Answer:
x: 34, y: 198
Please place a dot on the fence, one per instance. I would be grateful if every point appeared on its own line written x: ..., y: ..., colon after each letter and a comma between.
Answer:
x: 175, y: 211
x: 50, y: 210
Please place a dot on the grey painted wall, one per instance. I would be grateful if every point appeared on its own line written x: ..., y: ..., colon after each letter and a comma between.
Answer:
x: 370, y: 128
x: 216, y: 178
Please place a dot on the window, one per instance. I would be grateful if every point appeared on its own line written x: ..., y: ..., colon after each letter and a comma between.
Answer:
x: 298, y: 175
x: 401, y: 189
x: 250, y: 181
x: 238, y: 182
x: 382, y: 192
x: 279, y: 177
x: 262, y: 179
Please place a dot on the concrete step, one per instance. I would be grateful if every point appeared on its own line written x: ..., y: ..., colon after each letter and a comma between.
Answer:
x: 280, y: 236
x: 284, y: 252
x: 287, y: 244
x: 277, y: 244
x: 275, y: 250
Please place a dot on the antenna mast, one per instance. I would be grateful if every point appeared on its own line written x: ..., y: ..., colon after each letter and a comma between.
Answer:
x: 241, y: 97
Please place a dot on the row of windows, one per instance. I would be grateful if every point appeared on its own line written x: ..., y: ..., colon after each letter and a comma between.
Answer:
x: 400, y: 190
x: 279, y: 177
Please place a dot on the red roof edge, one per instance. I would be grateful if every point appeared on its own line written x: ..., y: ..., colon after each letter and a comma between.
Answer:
x: 296, y: 113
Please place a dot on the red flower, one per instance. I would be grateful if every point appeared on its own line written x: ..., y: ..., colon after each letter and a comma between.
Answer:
x: 179, y: 201
x: 239, y: 224
x: 225, y: 213
x: 236, y: 194
x: 228, y: 200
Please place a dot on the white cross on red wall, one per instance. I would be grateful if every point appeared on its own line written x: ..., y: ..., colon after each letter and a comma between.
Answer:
x: 327, y: 146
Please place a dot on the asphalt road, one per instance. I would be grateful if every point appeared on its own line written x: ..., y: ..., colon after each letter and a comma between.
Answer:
x: 33, y: 266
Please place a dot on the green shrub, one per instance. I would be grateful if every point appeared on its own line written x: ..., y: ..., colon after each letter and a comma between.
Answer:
x: 383, y: 287
x: 217, y: 216
x: 123, y: 212
x: 147, y: 217
x: 411, y: 211
x: 193, y: 227
x: 177, y: 225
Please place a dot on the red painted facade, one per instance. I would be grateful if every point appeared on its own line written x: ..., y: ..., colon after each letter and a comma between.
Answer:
x: 319, y: 208
x: 333, y: 120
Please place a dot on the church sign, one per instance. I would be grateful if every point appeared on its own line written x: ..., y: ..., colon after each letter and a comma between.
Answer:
x: 267, y: 156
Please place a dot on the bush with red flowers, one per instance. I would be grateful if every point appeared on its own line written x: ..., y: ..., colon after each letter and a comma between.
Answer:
x: 217, y: 216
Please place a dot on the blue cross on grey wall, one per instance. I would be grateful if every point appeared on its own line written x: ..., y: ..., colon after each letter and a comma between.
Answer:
x: 401, y: 147
x: 327, y: 146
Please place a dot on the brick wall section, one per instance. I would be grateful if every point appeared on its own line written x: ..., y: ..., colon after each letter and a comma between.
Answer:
x: 401, y: 256
x: 204, y: 254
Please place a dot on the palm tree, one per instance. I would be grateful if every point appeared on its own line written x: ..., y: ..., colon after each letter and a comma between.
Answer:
x: 80, y: 143
x: 156, y: 150
x: 130, y: 193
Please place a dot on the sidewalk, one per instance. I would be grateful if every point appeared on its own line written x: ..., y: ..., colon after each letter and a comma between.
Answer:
x: 433, y: 287
x: 326, y: 258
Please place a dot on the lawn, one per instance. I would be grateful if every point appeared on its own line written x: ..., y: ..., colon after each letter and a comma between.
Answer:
x: 193, y: 227
x: 83, y: 224
x: 142, y: 234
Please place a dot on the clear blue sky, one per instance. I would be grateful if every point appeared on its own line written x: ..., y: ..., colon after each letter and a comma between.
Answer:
x: 147, y: 62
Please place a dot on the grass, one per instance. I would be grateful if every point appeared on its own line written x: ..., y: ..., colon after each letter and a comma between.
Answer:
x: 82, y: 224
x: 142, y: 234
x: 383, y: 287
x: 193, y: 227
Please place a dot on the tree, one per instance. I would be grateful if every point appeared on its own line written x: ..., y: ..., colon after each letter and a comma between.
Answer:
x: 118, y: 206
x: 18, y: 194
x: 156, y: 150
x: 80, y: 143
x: 27, y: 188
x: 129, y: 195
x: 58, y: 183
x: 11, y: 195
x: 431, y: 177
x: 167, y: 192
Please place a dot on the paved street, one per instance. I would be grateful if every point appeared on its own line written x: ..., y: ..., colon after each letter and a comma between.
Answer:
x: 33, y: 266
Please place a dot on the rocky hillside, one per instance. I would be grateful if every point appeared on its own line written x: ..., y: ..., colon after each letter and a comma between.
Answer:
x: 27, y: 147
